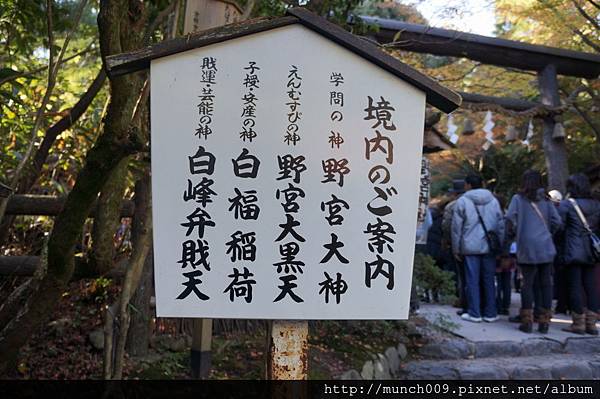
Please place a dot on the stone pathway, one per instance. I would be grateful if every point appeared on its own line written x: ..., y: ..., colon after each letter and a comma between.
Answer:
x: 500, y: 351
x: 502, y: 330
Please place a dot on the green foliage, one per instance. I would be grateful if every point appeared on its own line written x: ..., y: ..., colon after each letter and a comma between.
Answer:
x: 502, y: 166
x: 584, y: 151
x: 427, y: 276
x: 23, y: 76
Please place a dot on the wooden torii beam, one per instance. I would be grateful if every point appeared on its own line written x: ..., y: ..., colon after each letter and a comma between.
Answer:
x: 488, y: 50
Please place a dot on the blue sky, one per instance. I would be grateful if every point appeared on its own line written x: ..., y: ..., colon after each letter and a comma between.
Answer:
x: 474, y: 16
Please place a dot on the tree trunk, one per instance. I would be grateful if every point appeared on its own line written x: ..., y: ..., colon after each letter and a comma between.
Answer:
x: 108, y: 219
x: 120, y: 23
x: 554, y: 150
x: 138, y: 337
x: 141, y: 238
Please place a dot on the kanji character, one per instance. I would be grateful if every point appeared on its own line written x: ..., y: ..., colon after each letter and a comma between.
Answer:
x: 244, y: 205
x: 287, y: 287
x: 288, y: 228
x: 198, y: 219
x: 290, y: 195
x: 241, y: 285
x: 191, y: 285
x: 246, y: 165
x: 380, y: 112
x: 289, y: 263
x: 336, y: 139
x: 194, y: 253
x: 333, y: 167
x: 201, y: 193
x: 242, y: 247
x: 382, y: 267
x: 202, y: 162
x: 336, y: 78
x: 375, y: 144
x: 290, y: 167
x: 336, y: 288
x: 333, y: 249
x: 334, y: 208
x: 381, y: 232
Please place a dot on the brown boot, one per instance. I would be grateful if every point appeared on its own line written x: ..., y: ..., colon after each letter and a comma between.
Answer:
x: 544, y: 321
x: 578, y: 326
x: 590, y: 322
x: 526, y: 320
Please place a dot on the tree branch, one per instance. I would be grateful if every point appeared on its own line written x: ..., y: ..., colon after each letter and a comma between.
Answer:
x: 18, y: 75
x: 592, y: 2
x: 586, y: 15
x: 586, y: 118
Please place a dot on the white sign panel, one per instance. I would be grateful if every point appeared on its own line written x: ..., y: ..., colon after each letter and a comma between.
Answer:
x: 285, y: 174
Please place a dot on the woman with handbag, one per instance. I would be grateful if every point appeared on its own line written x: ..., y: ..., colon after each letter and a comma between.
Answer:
x: 533, y: 220
x: 581, y: 216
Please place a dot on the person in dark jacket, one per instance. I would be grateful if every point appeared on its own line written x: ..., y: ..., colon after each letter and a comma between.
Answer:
x: 533, y: 220
x: 578, y: 256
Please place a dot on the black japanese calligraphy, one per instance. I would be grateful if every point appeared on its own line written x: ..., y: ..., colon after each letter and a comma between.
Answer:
x: 379, y: 266
x: 251, y: 82
x: 290, y: 167
x: 381, y: 236
x: 333, y: 249
x: 199, y: 219
x: 242, y: 246
x: 244, y: 205
x: 202, y: 192
x: 290, y: 196
x: 194, y: 253
x: 336, y: 287
x: 381, y: 113
x: 203, y: 162
x: 241, y: 285
x: 382, y: 196
x: 376, y: 144
x: 246, y: 165
x: 336, y: 79
x: 334, y: 170
x: 288, y: 228
x: 291, y: 136
x: 334, y: 207
x: 287, y: 288
x: 336, y: 139
x: 192, y: 285
x: 207, y: 97
x: 289, y: 263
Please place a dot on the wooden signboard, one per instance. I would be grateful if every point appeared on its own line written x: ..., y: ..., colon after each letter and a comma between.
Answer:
x: 286, y: 160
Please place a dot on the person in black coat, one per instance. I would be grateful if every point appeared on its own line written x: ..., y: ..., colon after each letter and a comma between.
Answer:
x: 577, y: 253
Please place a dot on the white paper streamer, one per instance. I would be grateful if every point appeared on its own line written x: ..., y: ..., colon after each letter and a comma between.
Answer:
x: 529, y: 136
x: 452, y: 128
x: 488, y: 126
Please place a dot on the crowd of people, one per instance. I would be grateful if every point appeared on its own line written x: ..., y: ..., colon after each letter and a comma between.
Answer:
x: 540, y: 244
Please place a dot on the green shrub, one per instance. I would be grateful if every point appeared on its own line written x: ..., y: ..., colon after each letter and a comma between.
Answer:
x: 428, y: 277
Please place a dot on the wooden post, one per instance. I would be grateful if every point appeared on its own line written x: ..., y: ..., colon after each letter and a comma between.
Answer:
x: 288, y: 350
x: 554, y: 150
x: 200, y: 15
x: 201, y: 355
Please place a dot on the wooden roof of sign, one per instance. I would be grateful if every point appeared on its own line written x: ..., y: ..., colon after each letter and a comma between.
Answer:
x: 436, y: 94
x: 489, y: 50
